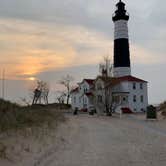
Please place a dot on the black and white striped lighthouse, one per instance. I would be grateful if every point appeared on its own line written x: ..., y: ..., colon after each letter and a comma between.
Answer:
x: 121, y: 41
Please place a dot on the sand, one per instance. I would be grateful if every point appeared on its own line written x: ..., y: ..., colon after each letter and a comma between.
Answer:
x: 85, y: 140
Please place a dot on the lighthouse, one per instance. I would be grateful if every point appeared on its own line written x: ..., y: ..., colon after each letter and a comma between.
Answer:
x: 130, y: 92
x: 121, y: 41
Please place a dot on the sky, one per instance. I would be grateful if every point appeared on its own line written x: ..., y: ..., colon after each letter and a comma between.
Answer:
x: 47, y: 40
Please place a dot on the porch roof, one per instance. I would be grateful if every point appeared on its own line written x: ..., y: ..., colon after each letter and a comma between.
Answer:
x: 88, y: 94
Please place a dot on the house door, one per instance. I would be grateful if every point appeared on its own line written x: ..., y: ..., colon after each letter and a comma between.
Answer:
x: 85, y: 103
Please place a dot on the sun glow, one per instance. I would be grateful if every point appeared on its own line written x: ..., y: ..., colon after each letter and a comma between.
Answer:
x: 32, y: 78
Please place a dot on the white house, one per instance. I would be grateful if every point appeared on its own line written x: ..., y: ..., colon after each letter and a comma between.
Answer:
x: 115, y: 93
x: 119, y: 93
x: 82, y: 96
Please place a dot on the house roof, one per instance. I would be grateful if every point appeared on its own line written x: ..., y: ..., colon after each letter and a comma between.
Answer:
x: 114, y: 81
x: 131, y: 79
x: 110, y: 81
x: 105, y: 79
x: 89, y: 81
x: 75, y: 90
x: 124, y: 78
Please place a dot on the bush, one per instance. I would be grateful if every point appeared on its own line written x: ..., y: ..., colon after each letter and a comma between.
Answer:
x: 151, y: 112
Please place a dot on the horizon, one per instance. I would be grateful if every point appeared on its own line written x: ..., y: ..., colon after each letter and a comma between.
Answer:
x: 47, y: 40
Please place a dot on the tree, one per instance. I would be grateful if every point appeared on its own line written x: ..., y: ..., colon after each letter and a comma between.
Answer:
x: 105, y: 67
x: 66, y: 82
x: 108, y: 100
x: 61, y: 97
x: 40, y: 92
x: 106, y: 70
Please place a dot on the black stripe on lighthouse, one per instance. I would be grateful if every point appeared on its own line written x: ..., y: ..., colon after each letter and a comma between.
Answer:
x: 121, y: 42
x: 121, y: 53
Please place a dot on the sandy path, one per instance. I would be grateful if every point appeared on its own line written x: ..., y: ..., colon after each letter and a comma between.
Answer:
x: 103, y: 141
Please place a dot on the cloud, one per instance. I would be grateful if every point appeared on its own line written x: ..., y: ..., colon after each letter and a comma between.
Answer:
x: 30, y: 48
x: 42, y: 38
x: 140, y: 55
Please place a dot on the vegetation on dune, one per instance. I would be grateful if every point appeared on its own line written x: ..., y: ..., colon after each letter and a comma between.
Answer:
x: 162, y: 108
x: 13, y: 116
x: 35, y: 122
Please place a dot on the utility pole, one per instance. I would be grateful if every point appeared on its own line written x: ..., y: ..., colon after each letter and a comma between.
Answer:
x: 3, y: 84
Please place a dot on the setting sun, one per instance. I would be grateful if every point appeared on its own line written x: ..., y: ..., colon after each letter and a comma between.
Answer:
x: 32, y: 78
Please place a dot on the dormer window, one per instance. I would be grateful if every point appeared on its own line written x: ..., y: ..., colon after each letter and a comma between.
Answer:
x: 85, y: 90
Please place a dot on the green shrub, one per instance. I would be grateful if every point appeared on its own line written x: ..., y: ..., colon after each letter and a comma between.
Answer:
x: 151, y: 112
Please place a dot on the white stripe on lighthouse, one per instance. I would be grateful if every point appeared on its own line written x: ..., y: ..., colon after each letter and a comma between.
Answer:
x: 121, y: 30
x: 121, y: 71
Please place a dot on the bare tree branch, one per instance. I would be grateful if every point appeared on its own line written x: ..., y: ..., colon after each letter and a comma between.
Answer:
x: 66, y: 82
x: 41, y: 92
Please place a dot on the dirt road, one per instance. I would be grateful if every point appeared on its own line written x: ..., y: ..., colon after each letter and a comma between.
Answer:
x: 104, y: 141
x: 85, y: 140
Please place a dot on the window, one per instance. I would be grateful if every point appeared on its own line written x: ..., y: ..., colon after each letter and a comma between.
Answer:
x: 74, y: 100
x: 142, y: 110
x: 99, y: 99
x: 141, y: 85
x: 116, y: 99
x: 124, y: 98
x: 85, y: 90
x: 85, y: 100
x: 134, y: 98
x: 134, y: 85
x: 79, y: 99
x: 99, y: 87
x: 142, y: 99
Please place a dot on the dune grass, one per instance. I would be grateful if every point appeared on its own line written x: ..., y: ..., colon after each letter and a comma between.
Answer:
x: 162, y: 108
x: 13, y: 116
x: 37, y: 122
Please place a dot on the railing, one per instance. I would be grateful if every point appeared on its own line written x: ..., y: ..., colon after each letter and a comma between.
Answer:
x: 127, y: 14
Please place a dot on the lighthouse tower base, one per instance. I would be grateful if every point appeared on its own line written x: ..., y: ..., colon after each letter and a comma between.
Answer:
x: 121, y: 71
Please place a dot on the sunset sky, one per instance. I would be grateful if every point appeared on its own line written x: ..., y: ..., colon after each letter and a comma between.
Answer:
x: 47, y: 39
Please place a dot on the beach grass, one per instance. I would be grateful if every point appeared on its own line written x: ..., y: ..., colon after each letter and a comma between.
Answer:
x: 13, y: 116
